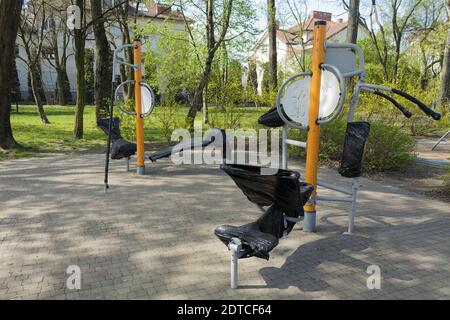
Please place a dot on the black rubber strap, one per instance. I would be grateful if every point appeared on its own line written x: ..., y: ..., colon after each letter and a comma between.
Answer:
x: 406, y: 112
x: 420, y: 104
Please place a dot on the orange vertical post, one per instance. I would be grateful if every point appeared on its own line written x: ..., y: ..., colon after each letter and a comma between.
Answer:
x: 312, y: 148
x: 140, y: 162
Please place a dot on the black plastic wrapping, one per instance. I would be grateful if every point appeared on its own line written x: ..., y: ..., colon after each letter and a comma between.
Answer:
x: 285, y: 196
x: 355, y: 140
x: 120, y: 147
x: 272, y: 119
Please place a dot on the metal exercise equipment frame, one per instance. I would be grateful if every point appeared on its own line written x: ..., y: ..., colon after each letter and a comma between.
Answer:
x: 139, y: 112
x: 340, y: 59
x: 440, y: 140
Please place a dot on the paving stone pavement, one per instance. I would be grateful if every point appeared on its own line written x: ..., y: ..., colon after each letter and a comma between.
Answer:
x: 152, y: 237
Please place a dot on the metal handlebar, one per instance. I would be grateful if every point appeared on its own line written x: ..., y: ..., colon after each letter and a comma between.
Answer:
x: 403, y: 110
x: 420, y: 104
x: 117, y: 98
x: 371, y: 87
x: 133, y: 113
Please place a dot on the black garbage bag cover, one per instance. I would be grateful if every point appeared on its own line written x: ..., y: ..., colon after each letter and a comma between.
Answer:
x: 103, y: 124
x: 285, y: 196
x: 355, y: 140
x: 272, y: 119
x: 281, y: 188
x: 254, y: 242
x: 121, y: 148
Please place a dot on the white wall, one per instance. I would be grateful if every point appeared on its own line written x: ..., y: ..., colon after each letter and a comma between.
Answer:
x: 49, y: 75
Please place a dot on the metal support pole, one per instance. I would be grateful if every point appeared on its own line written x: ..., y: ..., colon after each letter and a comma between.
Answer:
x: 140, y: 162
x: 440, y: 140
x: 127, y: 164
x: 235, y: 247
x: 285, y: 150
x: 312, y: 150
x: 351, y: 218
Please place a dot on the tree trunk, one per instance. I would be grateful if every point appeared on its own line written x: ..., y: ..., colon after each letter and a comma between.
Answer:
x: 36, y: 83
x: 103, y: 61
x: 272, y: 30
x: 125, y: 72
x: 62, y: 87
x: 198, y: 95
x: 80, y: 40
x: 396, y: 61
x: 212, y: 46
x: 353, y: 21
x: 205, y: 106
x: 9, y: 24
x: 444, y: 96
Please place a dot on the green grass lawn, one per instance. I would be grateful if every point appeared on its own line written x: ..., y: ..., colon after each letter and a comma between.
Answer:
x: 39, y: 139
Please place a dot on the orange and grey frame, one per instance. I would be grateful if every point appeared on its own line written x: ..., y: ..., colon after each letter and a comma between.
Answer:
x: 312, y: 148
x: 140, y: 162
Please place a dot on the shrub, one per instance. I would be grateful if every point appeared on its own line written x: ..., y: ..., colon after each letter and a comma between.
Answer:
x: 227, y: 117
x: 169, y: 118
x: 388, y: 147
x: 127, y: 122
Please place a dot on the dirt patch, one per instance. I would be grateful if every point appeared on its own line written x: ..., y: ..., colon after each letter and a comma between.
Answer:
x: 419, y: 178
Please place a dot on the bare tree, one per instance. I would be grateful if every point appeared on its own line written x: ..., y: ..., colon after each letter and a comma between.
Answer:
x: 400, y: 14
x: 427, y: 21
x: 32, y: 35
x: 444, y: 96
x: 400, y: 25
x: 58, y: 39
x: 298, y: 10
x: 9, y: 24
x: 103, y: 60
x: 353, y: 21
x: 80, y: 42
x: 80, y: 36
x: 213, y: 44
x: 272, y: 33
x: 122, y: 18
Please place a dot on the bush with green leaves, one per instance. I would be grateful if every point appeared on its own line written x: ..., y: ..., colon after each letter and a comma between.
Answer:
x: 388, y: 148
x: 227, y: 117
x: 127, y: 122
x: 169, y: 118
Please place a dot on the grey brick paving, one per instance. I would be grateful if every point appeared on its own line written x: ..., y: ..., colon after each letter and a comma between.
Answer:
x: 152, y: 238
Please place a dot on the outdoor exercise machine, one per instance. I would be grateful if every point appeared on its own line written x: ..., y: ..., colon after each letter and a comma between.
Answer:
x: 119, y: 148
x: 333, y: 64
x: 144, y: 99
x: 306, y: 101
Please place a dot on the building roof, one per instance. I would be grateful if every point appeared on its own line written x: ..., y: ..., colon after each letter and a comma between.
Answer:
x: 157, y: 11
x: 333, y: 27
x: 287, y: 37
